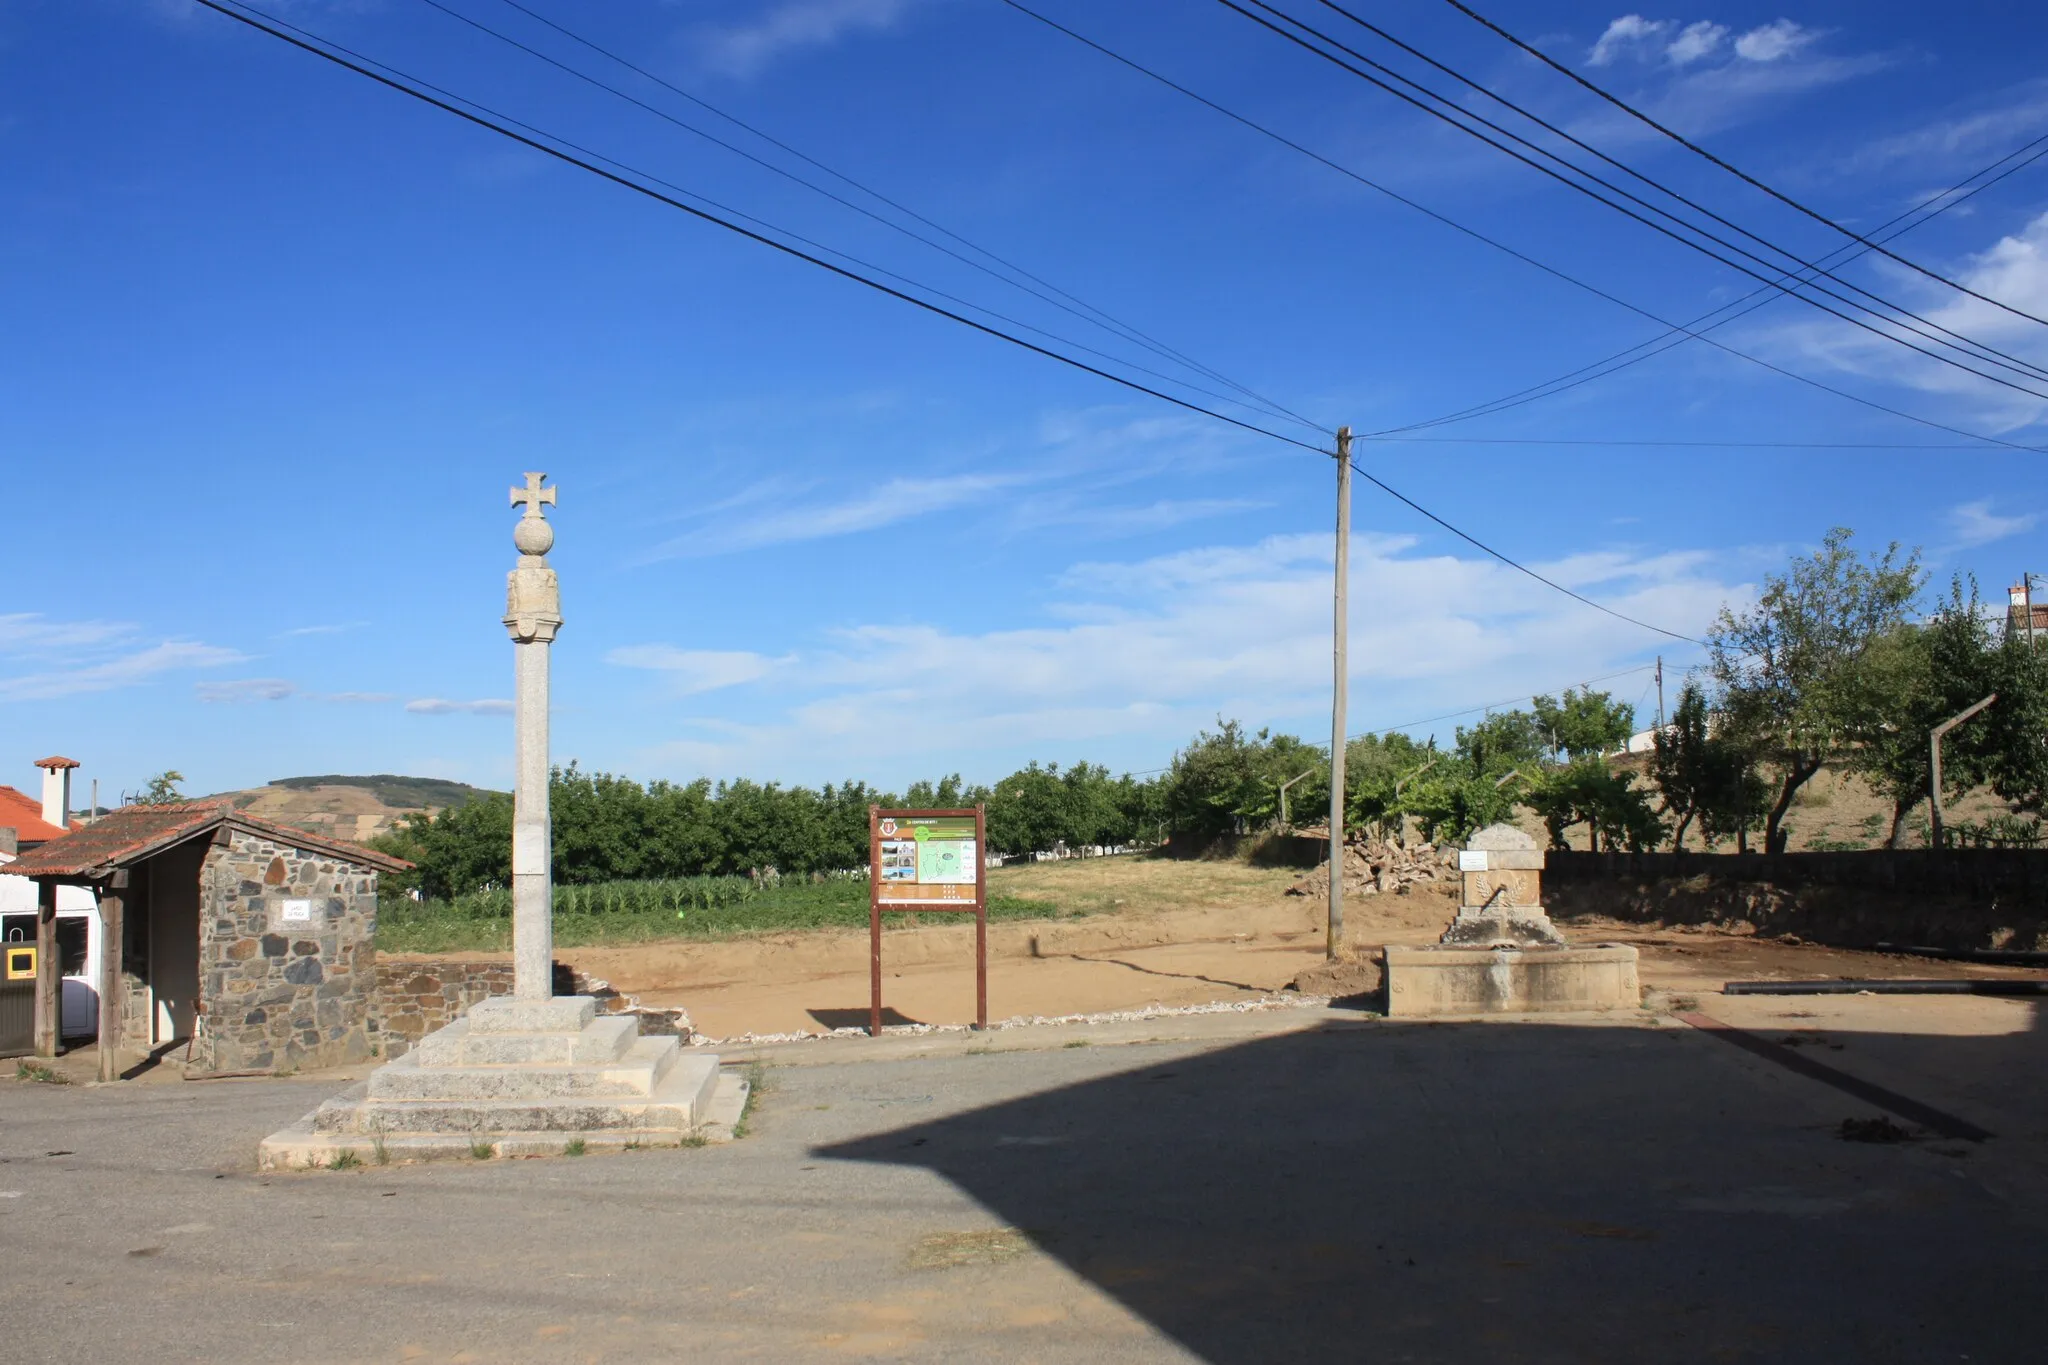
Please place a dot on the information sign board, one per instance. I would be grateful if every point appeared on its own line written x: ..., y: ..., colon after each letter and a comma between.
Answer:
x: 927, y: 860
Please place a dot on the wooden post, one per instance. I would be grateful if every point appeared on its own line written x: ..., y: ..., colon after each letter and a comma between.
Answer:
x: 1934, y: 822
x: 1334, y: 940
x: 981, y: 916
x: 49, y: 993
x: 112, y: 912
x: 874, y: 923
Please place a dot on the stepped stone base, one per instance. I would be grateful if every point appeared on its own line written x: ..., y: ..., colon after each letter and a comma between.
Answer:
x: 1426, y: 982
x: 520, y: 1078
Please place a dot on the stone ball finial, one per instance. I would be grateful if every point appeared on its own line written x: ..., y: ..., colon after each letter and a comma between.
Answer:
x: 533, y: 536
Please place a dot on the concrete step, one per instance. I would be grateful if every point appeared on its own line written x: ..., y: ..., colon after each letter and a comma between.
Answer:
x: 604, y: 1039
x: 299, y: 1147
x: 632, y: 1076
x: 677, y: 1102
x: 508, y: 1014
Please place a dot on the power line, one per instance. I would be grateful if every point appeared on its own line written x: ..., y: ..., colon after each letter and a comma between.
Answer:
x: 486, y: 119
x: 1982, y: 350
x: 1523, y: 568
x: 1703, y: 445
x: 1589, y: 192
x: 1494, y: 705
x: 1121, y: 330
x: 1744, y: 176
x: 1932, y: 206
x: 1500, y: 246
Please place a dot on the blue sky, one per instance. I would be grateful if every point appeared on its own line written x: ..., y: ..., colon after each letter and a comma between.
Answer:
x: 279, y: 340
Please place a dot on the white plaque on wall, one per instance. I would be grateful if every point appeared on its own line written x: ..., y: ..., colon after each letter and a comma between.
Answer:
x: 295, y: 912
x: 1471, y: 860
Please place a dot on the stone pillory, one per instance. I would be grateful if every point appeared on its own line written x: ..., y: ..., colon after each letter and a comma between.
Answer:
x: 534, y: 1073
x: 249, y: 941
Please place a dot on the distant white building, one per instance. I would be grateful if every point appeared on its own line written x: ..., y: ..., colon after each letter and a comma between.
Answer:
x: 27, y: 823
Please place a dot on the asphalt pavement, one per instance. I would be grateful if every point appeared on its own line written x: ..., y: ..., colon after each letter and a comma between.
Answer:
x: 1295, y: 1185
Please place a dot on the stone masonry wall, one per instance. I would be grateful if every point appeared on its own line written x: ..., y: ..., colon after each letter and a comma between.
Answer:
x: 279, y: 993
x: 415, y: 998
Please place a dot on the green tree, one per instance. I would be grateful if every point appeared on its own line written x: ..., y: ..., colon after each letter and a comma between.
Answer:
x: 162, y: 789
x: 1584, y: 724
x: 1787, y: 669
x: 1913, y: 679
x: 1609, y: 804
x: 1705, y: 776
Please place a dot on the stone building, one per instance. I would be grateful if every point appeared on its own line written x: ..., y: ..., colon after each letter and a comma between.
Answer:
x: 249, y: 942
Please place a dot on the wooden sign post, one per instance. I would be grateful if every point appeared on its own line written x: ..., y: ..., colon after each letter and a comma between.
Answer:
x: 924, y: 861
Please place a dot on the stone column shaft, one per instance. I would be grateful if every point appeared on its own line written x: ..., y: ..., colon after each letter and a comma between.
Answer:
x: 533, y: 933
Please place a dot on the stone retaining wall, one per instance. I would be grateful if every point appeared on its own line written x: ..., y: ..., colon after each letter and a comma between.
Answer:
x: 1953, y: 898
x: 415, y: 997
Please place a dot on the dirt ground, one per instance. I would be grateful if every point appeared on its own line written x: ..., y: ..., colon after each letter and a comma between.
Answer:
x: 1170, y: 934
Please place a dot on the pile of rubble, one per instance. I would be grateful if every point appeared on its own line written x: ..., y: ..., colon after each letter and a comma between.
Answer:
x: 1372, y: 867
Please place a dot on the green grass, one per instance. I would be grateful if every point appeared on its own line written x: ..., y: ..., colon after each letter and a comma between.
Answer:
x: 573, y: 1147
x: 26, y: 1070
x: 647, y: 911
x: 483, y: 1149
x: 344, y: 1160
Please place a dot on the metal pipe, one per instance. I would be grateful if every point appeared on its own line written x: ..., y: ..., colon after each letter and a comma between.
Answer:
x: 1934, y: 761
x: 1894, y: 986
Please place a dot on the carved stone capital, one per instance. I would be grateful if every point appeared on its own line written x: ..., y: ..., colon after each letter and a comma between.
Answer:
x: 533, y: 601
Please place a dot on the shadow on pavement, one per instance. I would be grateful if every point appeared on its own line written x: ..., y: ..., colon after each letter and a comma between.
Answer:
x: 858, y: 1017
x: 1501, y: 1193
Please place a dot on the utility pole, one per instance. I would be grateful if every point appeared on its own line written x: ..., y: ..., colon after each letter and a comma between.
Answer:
x: 1934, y: 762
x: 2027, y: 586
x: 1335, y: 938
x: 1660, y: 692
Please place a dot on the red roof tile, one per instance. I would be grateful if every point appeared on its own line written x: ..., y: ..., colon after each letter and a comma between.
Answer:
x: 57, y: 761
x: 25, y: 813
x: 133, y: 833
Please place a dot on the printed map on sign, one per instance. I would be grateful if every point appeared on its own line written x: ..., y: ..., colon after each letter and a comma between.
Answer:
x: 925, y: 858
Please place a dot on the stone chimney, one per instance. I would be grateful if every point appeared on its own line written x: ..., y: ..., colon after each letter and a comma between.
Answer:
x: 57, y: 789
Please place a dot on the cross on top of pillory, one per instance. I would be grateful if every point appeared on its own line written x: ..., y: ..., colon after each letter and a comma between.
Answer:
x: 533, y: 495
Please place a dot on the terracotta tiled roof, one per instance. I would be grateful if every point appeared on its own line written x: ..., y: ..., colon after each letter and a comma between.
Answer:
x: 133, y: 833
x: 57, y: 761
x: 25, y: 813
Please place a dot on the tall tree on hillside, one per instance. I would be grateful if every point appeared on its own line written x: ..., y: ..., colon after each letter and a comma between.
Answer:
x: 1787, y: 669
x: 1706, y: 776
x: 1584, y: 723
x: 1913, y: 679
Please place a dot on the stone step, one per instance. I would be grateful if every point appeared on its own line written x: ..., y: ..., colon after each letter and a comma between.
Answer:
x: 604, y: 1039
x: 509, y: 1014
x: 679, y: 1102
x: 632, y: 1076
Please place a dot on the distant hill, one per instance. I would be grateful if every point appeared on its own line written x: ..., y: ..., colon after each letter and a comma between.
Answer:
x: 357, y: 808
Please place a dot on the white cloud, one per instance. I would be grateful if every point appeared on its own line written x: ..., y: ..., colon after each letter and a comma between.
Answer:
x: 441, y: 706
x: 28, y: 632
x: 1974, y: 524
x: 1953, y: 142
x: 1625, y: 36
x: 1773, y: 41
x: 334, y: 629
x: 124, y: 670
x: 1695, y: 41
x: 1140, y: 653
x: 695, y: 670
x: 236, y: 690
x: 743, y: 49
x: 894, y: 501
x: 2014, y: 270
